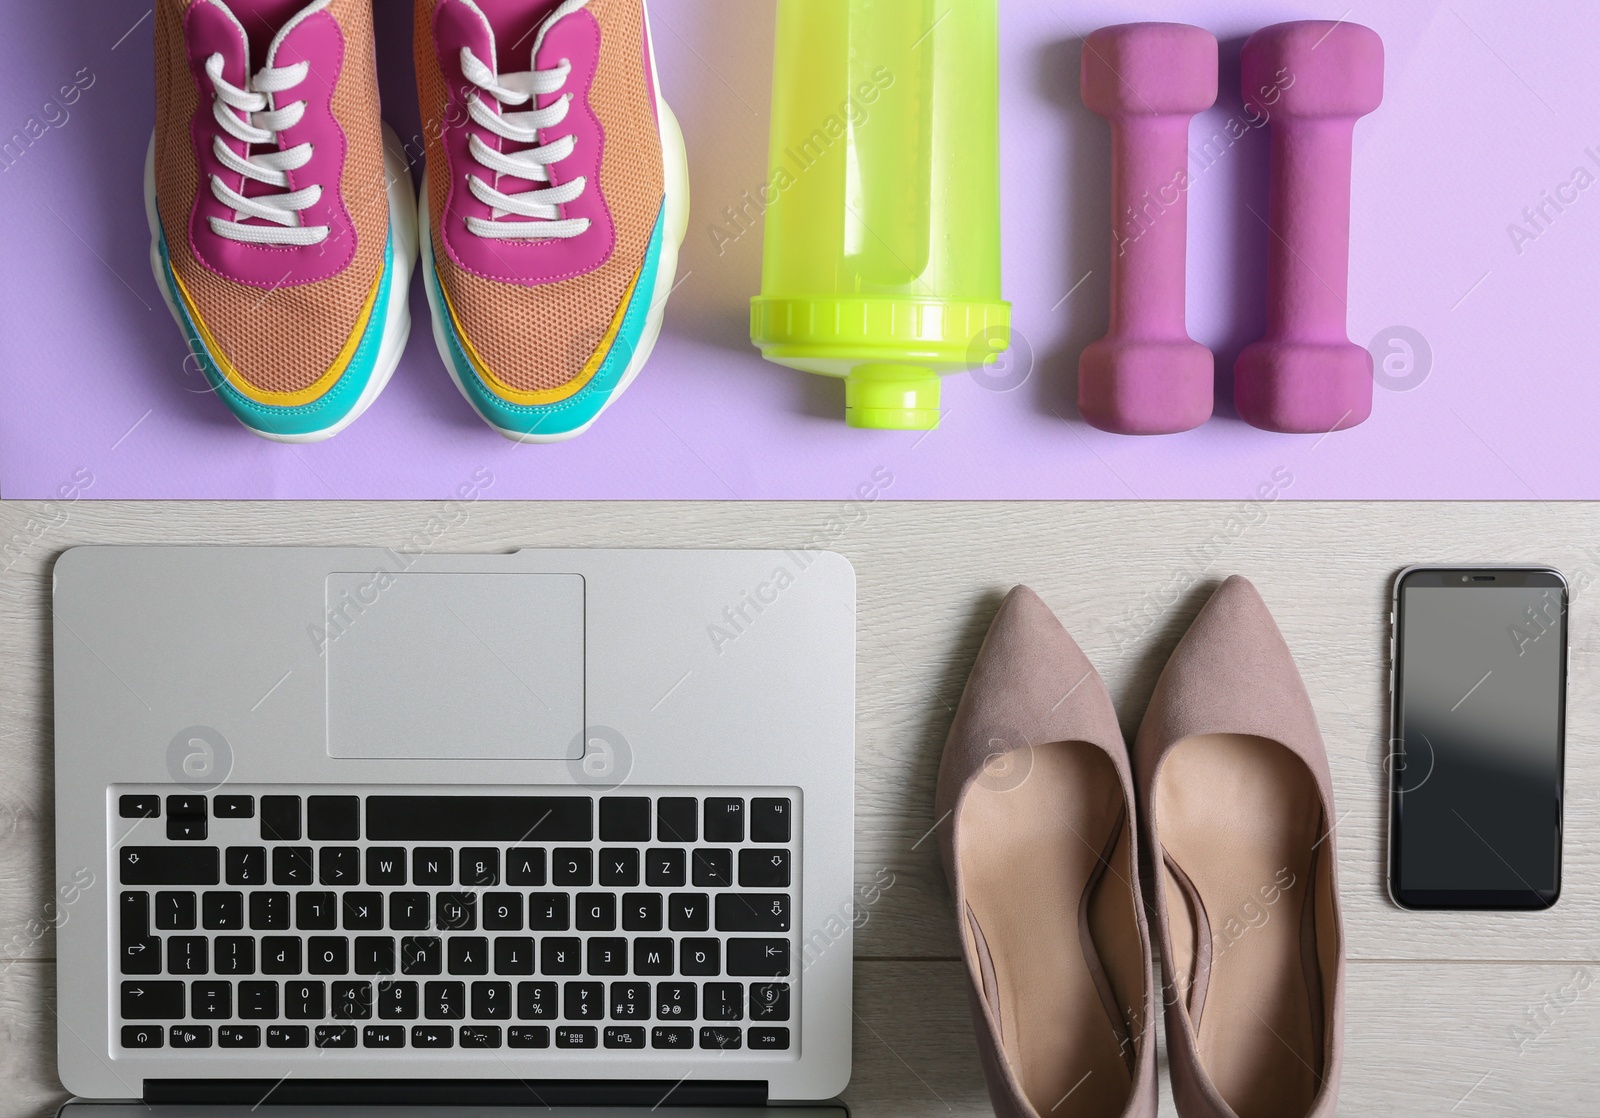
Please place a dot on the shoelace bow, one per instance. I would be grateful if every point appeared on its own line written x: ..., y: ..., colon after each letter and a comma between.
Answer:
x: 540, y: 208
x: 260, y: 127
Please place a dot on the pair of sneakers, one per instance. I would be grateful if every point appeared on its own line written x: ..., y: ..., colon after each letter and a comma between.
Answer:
x: 285, y: 229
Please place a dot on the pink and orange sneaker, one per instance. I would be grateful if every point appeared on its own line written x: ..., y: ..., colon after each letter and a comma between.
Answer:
x: 282, y: 220
x: 554, y: 203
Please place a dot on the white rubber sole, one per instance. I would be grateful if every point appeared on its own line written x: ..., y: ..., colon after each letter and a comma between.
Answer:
x: 397, y: 312
x: 675, y: 161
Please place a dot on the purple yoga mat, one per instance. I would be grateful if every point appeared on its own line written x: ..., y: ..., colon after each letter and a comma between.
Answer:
x: 1474, y: 268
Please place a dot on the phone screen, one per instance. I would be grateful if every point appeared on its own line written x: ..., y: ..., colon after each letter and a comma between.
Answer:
x: 1479, y: 721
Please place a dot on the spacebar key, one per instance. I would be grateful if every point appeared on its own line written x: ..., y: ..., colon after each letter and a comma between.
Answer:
x: 170, y: 865
x: 480, y: 818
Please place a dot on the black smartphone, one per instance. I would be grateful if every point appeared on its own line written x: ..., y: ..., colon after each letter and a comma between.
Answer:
x: 1479, y: 701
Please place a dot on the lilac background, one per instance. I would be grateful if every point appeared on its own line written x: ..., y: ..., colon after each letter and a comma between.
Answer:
x: 1489, y: 105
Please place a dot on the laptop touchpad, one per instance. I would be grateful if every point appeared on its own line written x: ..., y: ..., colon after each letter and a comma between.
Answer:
x: 443, y: 666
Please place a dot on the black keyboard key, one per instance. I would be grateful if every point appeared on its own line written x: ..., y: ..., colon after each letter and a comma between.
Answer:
x: 176, y: 911
x: 480, y: 865
x: 502, y: 912
x: 480, y: 1036
x: 457, y: 912
x: 234, y: 955
x: 700, y: 957
x: 724, y: 819
x: 139, y: 807
x: 677, y: 819
x: 572, y: 866
x: 577, y: 1036
x: 211, y: 1001
x: 327, y: 955
x: 188, y: 955
x: 664, y: 868
x: 444, y: 1001
x: 291, y: 865
x: 671, y: 1036
x: 239, y: 1036
x: 233, y: 807
x: 653, y: 956
x: 316, y: 911
x: 305, y: 1000
x: 641, y: 912
x: 723, y: 1001
x: 352, y: 1001
x: 432, y: 1036
x: 152, y: 1001
x: 625, y: 819
x: 383, y: 1036
x: 689, y: 912
x: 170, y: 865
x: 288, y: 1036
x: 281, y: 955
x: 597, y: 912
x: 560, y: 955
x: 269, y: 912
x: 280, y: 818
x: 468, y: 954
x: 333, y: 818
x: 525, y: 866
x: 537, y: 1001
x: 361, y: 912
x: 513, y: 955
x: 768, y: 1039
x: 713, y: 868
x: 677, y: 1001
x: 608, y: 955
x: 769, y: 820
x: 491, y: 1001
x: 528, y: 1036
x: 409, y: 912
x: 548, y: 912
x: 480, y: 818
x: 433, y: 865
x: 619, y: 868
x: 624, y: 1036
x: 752, y: 912
x: 421, y: 955
x: 190, y: 1036
x: 630, y: 1001
x: 398, y: 1001
x: 222, y: 912
x: 763, y: 869
x: 386, y: 865
x: 723, y: 1038
x: 187, y: 806
x: 335, y: 1036
x: 374, y: 955
x: 258, y: 1001
x: 769, y: 1001
x: 247, y: 865
x: 764, y: 958
x: 141, y: 951
x: 339, y: 865
x: 186, y: 829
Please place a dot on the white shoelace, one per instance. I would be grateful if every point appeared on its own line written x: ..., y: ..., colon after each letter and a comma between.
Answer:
x: 541, y: 207
x: 260, y: 128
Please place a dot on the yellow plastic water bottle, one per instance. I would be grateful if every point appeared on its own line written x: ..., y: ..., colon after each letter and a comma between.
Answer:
x: 882, y: 259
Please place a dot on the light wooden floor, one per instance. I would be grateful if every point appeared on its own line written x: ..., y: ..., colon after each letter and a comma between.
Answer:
x: 1448, y: 1014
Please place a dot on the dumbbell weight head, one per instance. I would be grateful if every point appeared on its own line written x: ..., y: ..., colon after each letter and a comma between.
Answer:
x: 1303, y: 388
x: 1134, y: 386
x: 1313, y: 68
x: 1149, y: 69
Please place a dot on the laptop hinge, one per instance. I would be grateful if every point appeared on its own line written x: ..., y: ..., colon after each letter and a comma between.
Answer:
x: 457, y: 1092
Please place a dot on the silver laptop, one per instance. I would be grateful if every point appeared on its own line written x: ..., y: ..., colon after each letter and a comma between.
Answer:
x: 366, y: 828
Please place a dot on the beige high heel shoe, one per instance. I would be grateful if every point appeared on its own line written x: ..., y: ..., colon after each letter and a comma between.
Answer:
x: 1237, y: 807
x: 1036, y: 800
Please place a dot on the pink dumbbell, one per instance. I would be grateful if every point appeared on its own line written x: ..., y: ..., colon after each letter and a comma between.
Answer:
x: 1315, y: 79
x: 1147, y: 377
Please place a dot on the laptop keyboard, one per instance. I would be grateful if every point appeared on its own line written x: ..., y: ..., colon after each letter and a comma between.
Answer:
x: 272, y: 919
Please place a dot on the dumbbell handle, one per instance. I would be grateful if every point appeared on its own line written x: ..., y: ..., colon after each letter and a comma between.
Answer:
x: 1150, y: 213
x: 1309, y: 258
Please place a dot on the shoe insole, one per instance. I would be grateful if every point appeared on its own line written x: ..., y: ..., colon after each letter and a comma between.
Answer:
x: 1240, y: 819
x: 1031, y: 842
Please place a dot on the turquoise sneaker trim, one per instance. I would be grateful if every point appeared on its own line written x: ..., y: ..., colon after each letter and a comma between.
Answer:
x: 306, y: 419
x: 584, y: 406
